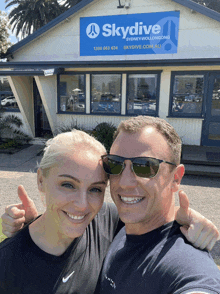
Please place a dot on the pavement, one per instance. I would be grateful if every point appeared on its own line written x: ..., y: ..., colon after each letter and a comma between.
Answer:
x: 203, y: 192
x: 21, y: 161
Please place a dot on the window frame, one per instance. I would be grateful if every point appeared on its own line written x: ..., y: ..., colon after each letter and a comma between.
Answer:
x: 158, y: 73
x: 105, y: 73
x: 70, y: 73
x: 188, y: 115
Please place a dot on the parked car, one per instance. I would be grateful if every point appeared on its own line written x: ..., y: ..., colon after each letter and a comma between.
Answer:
x: 9, y: 101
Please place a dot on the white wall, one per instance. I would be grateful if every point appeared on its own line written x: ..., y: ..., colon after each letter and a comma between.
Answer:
x: 198, y: 35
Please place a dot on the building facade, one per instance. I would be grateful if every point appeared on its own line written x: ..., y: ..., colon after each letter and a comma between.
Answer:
x: 105, y: 61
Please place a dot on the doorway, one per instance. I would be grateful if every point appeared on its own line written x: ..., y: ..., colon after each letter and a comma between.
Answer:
x: 42, y: 126
x: 211, y: 123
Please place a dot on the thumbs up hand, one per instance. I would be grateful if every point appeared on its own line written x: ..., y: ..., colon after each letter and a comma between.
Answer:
x: 198, y: 230
x: 17, y: 214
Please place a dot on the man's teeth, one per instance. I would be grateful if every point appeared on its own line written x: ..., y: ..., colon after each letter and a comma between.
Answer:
x: 131, y: 200
x: 75, y: 217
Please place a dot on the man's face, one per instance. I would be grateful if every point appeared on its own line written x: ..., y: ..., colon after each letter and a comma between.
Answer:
x: 144, y: 204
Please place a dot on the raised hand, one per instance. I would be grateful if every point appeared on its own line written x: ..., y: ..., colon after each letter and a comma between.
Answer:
x: 17, y: 214
x: 198, y: 230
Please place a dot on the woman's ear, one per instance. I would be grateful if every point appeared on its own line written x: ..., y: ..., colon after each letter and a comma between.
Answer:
x: 178, y: 175
x: 40, y: 180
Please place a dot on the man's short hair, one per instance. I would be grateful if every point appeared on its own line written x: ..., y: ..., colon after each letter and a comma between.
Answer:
x: 136, y: 124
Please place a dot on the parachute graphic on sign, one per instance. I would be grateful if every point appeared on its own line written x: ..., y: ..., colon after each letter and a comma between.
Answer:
x: 92, y: 30
x: 170, y: 31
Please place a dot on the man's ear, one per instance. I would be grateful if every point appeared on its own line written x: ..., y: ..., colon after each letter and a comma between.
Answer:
x: 40, y: 180
x: 177, y: 177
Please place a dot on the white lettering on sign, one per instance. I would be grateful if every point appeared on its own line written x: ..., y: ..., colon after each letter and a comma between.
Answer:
x: 138, y: 29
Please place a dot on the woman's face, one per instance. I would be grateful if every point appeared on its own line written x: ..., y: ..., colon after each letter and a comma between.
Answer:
x: 74, y: 191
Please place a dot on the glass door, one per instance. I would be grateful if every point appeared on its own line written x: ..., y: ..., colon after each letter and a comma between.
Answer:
x: 211, y: 124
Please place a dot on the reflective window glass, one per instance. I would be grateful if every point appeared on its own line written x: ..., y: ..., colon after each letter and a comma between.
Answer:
x: 187, y: 94
x: 214, y: 131
x: 106, y: 93
x: 8, y: 101
x: 72, y: 93
x: 141, y: 94
x: 216, y: 98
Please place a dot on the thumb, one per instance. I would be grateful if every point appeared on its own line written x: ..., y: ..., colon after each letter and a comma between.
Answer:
x: 28, y: 204
x: 22, y: 194
x: 184, y: 202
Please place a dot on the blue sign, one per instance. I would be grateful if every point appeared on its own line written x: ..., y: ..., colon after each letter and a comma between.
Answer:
x: 147, y: 33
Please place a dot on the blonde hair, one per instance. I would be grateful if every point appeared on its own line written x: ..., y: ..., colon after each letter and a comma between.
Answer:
x: 66, y: 143
x: 136, y: 124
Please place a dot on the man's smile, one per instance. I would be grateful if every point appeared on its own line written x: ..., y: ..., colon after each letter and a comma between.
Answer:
x: 130, y: 200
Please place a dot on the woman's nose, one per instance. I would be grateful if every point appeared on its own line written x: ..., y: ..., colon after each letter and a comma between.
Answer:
x: 81, y: 201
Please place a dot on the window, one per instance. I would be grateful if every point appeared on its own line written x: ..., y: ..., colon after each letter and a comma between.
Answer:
x: 187, y: 95
x: 7, y: 99
x: 142, y: 94
x: 71, y: 89
x: 106, y: 93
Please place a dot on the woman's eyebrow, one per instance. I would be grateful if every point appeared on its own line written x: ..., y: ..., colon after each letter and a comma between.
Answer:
x: 98, y: 183
x: 77, y: 180
x: 69, y: 176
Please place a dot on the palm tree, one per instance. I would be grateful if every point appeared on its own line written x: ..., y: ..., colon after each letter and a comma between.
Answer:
x: 71, y: 3
x: 28, y: 16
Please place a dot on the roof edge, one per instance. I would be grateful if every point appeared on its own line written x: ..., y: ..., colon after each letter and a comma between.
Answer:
x: 113, y: 64
x: 199, y: 8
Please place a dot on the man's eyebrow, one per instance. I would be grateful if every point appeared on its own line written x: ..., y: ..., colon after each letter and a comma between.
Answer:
x: 69, y: 176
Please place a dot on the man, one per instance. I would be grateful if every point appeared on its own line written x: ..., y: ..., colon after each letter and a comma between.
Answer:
x: 150, y: 255
x: 143, y: 190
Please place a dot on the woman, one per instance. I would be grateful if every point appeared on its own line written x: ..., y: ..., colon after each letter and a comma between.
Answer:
x: 62, y: 250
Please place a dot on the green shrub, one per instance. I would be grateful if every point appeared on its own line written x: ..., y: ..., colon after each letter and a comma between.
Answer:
x: 103, y: 132
x: 10, y: 128
x: 69, y: 127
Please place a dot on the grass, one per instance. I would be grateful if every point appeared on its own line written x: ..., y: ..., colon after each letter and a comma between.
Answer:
x: 2, y: 236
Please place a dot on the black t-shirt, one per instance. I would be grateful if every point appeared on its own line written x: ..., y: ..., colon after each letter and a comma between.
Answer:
x: 158, y: 262
x: 26, y: 269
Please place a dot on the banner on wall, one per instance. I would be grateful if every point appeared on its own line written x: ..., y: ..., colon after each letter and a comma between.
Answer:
x: 147, y: 33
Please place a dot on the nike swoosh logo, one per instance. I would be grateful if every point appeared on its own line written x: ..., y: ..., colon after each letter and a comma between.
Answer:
x: 67, y: 278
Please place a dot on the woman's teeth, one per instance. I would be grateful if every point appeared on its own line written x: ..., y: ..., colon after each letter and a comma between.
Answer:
x: 75, y: 216
x: 131, y: 200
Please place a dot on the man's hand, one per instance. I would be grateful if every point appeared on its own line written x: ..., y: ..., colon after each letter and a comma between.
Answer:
x: 198, y: 230
x: 17, y: 214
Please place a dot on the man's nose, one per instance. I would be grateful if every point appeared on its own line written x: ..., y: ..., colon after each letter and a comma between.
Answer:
x: 127, y: 177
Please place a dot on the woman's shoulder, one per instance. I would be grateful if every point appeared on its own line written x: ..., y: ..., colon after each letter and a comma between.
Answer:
x: 16, y: 242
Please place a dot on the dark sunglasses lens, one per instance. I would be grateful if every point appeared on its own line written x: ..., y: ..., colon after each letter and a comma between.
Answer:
x: 112, y: 166
x: 145, y: 167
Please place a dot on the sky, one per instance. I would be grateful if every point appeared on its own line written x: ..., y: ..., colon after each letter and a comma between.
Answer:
x: 12, y: 37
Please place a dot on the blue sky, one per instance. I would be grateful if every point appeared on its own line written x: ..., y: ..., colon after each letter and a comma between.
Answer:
x: 2, y: 8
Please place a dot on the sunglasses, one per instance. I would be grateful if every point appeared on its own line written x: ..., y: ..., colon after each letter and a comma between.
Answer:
x: 144, y: 167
